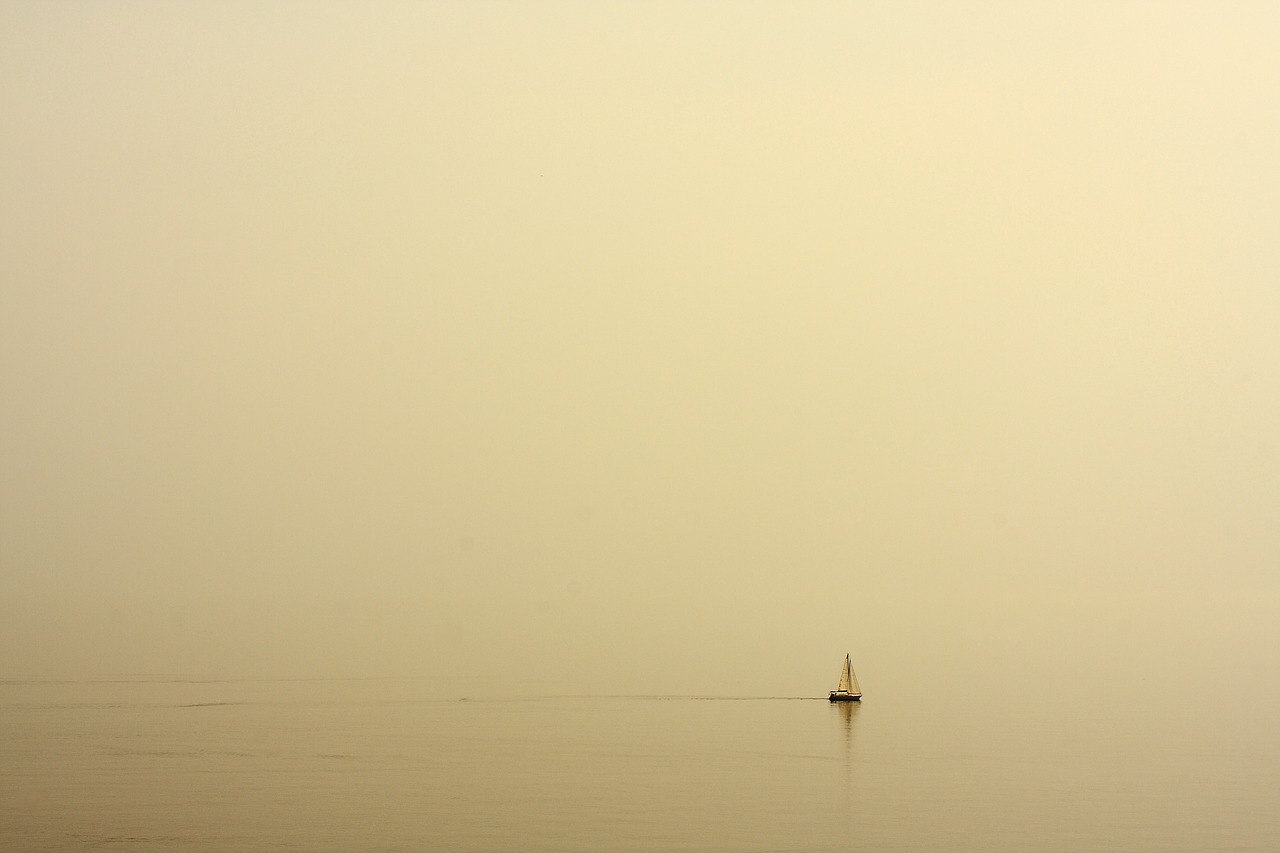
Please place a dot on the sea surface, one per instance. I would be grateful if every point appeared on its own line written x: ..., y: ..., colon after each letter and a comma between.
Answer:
x: 167, y: 764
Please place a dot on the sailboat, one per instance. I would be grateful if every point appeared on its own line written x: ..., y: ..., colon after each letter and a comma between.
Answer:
x: 848, y: 691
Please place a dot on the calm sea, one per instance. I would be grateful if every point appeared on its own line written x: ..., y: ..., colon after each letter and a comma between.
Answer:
x: 155, y: 764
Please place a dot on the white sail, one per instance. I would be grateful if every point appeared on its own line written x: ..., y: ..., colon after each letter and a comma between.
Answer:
x: 848, y: 691
x: 853, y: 679
x: 846, y: 677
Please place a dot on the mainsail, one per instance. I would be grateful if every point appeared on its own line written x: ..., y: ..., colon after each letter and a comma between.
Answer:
x: 848, y: 681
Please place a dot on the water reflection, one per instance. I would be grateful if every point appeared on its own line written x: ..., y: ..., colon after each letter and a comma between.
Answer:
x: 846, y: 714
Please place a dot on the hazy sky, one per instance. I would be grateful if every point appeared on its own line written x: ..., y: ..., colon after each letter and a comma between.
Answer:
x: 640, y: 347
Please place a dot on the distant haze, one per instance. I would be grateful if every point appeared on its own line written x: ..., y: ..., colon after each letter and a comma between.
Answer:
x: 641, y: 347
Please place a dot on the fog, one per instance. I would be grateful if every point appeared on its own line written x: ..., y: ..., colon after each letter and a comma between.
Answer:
x: 641, y: 347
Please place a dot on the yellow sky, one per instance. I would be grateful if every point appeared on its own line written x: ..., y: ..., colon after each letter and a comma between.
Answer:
x: 722, y: 338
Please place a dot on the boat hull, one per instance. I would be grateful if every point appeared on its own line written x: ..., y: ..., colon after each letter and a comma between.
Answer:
x: 844, y: 697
